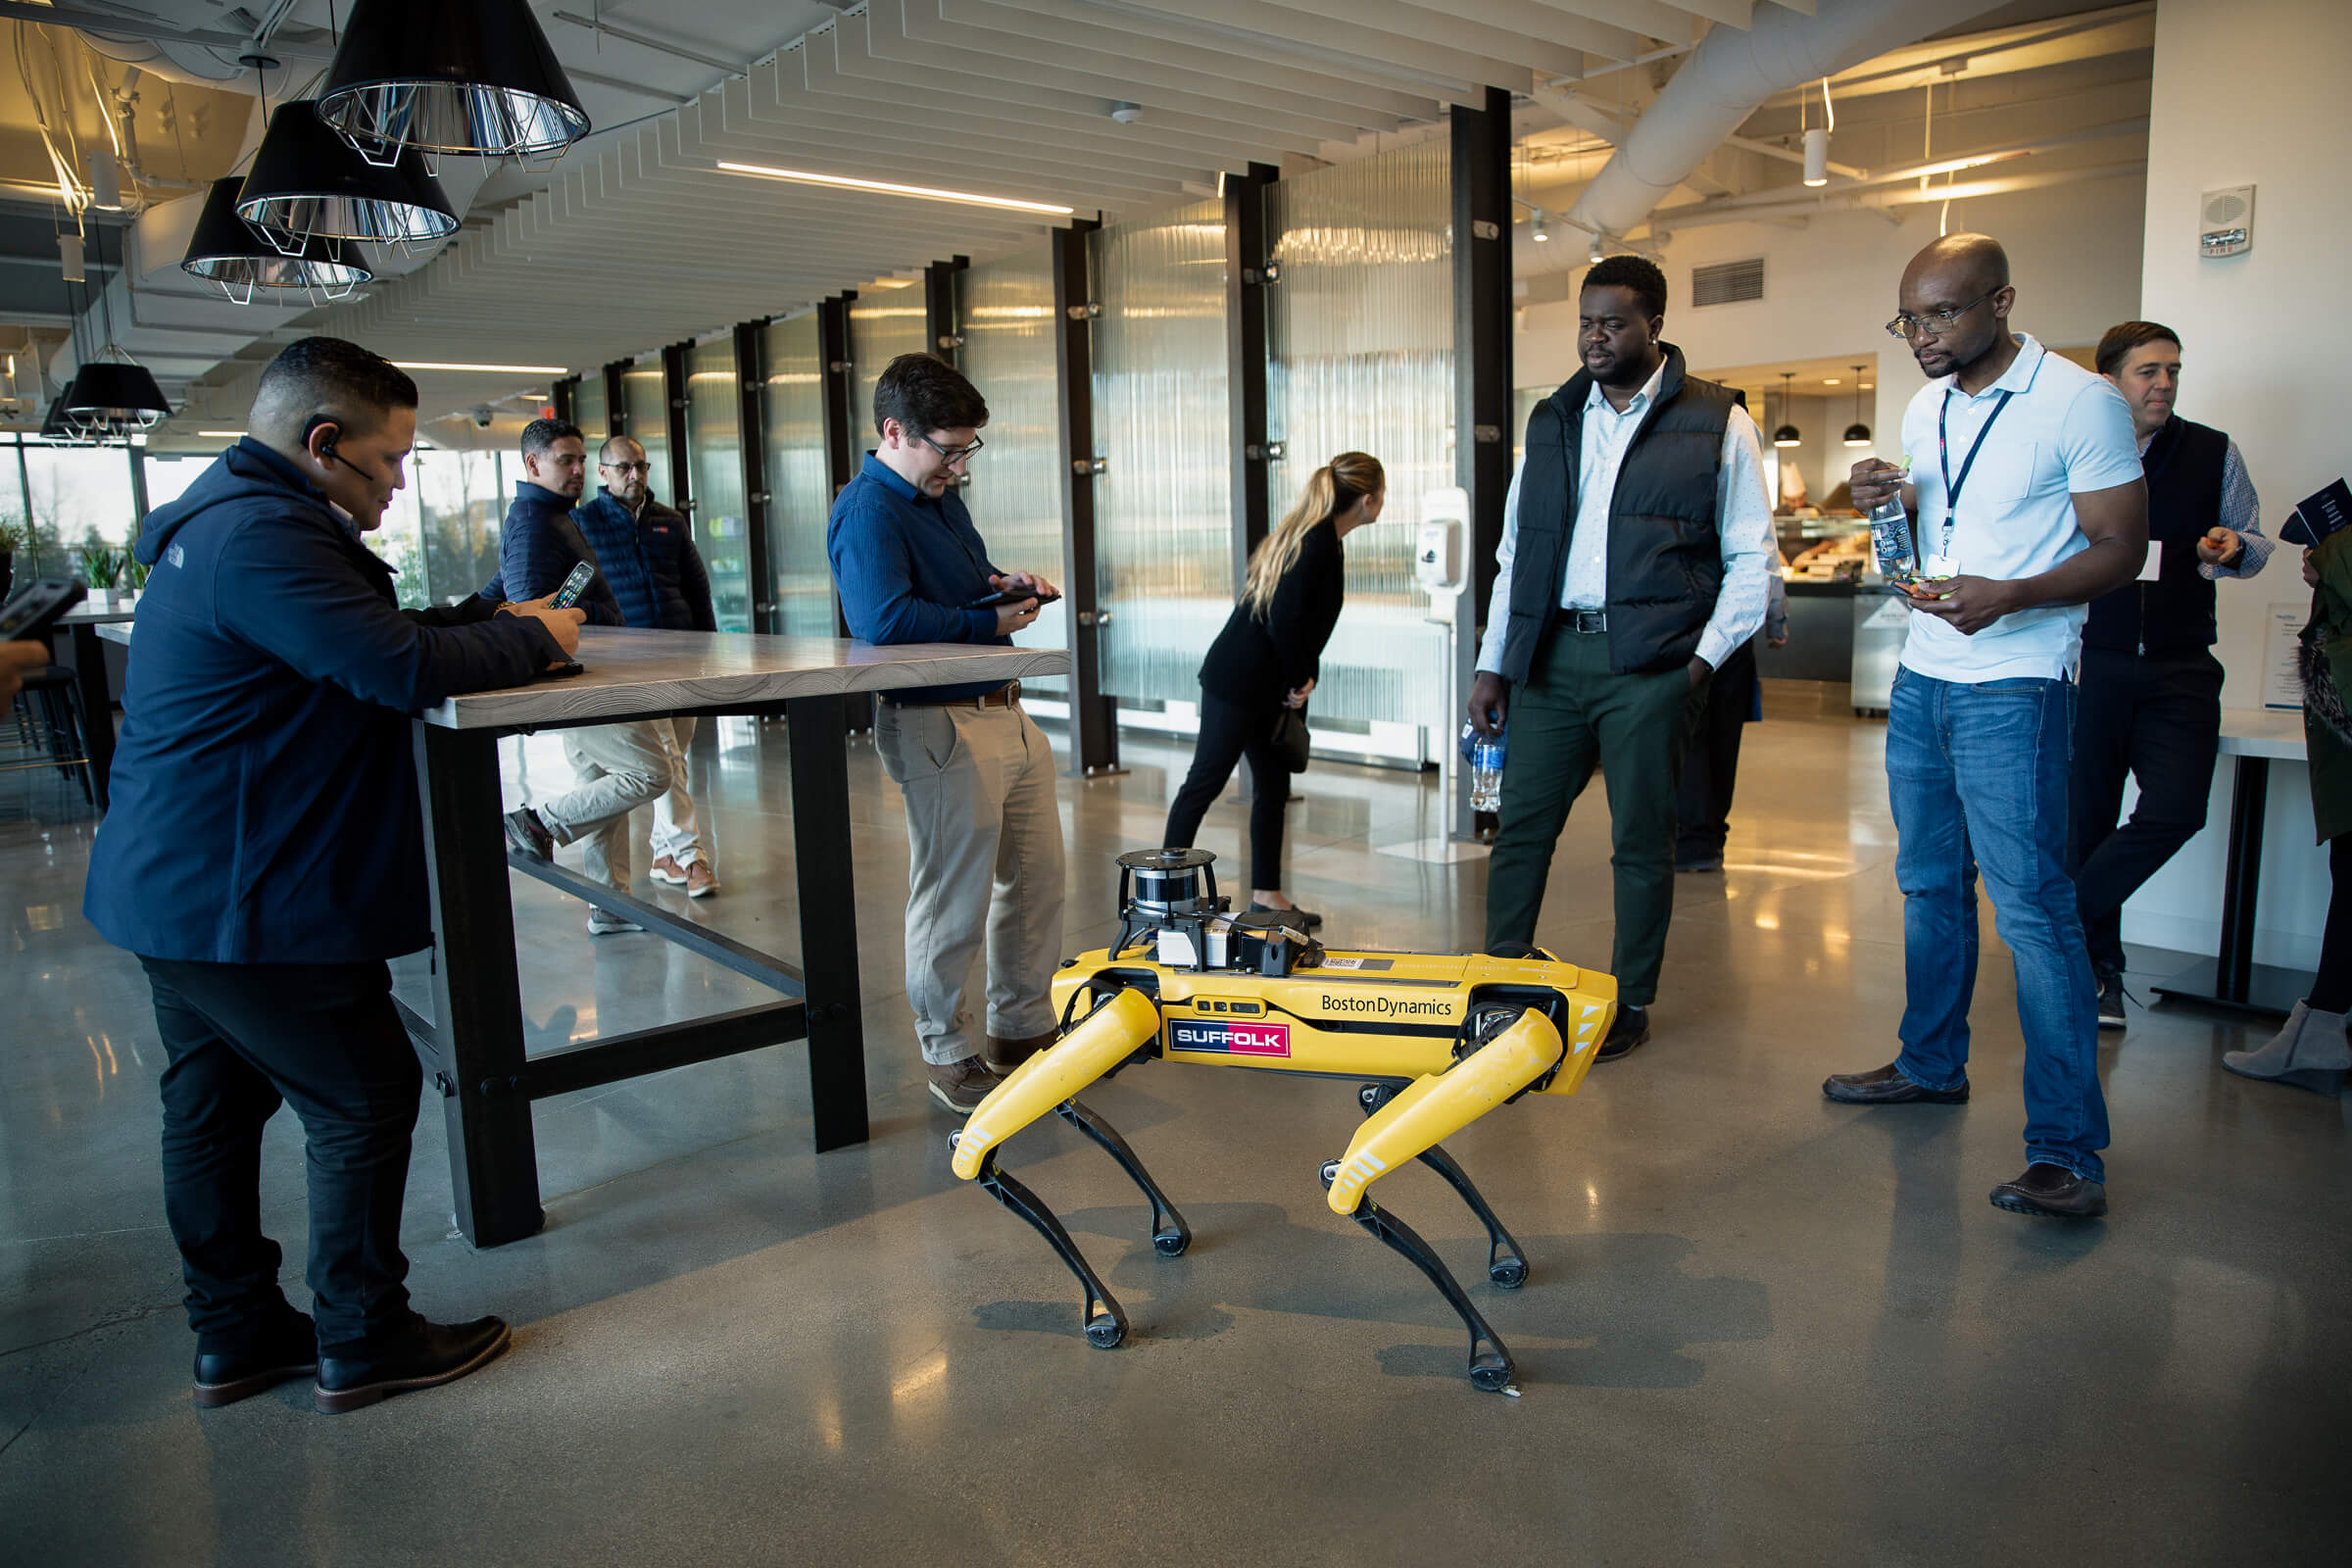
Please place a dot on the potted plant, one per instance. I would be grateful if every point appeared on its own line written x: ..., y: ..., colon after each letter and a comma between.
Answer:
x: 12, y: 535
x: 101, y: 565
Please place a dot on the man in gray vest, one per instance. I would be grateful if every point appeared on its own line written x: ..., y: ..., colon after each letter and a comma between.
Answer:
x: 1633, y: 562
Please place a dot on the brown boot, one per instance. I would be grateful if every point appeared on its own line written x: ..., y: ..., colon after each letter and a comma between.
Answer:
x: 1002, y: 1055
x: 959, y: 1085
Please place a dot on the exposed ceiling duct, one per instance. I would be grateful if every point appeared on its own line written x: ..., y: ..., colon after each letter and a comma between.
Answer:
x: 1732, y: 74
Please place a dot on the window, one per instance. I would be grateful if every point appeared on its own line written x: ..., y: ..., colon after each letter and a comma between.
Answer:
x: 715, y: 452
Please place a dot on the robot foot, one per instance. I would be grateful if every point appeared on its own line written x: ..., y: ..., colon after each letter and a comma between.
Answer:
x: 1507, y: 1265
x: 1105, y: 1322
x: 1490, y: 1366
x: 1170, y: 1234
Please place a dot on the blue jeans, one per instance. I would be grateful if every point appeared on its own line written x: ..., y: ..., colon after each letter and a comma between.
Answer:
x: 1977, y: 775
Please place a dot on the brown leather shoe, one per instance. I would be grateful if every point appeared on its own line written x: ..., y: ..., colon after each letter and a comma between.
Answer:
x: 961, y: 1086
x: 701, y: 880
x: 2052, y: 1192
x: 1886, y: 1086
x: 1002, y: 1055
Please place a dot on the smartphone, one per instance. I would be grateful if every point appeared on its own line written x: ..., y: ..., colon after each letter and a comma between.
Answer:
x: 574, y: 585
x: 1007, y: 597
x: 561, y: 671
x: 34, y: 610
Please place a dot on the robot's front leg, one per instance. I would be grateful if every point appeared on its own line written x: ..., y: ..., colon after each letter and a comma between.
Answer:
x: 1507, y: 1265
x: 1411, y: 1124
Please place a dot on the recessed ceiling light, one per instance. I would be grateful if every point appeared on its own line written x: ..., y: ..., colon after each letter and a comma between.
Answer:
x: 224, y: 435
x: 804, y: 177
x: 1829, y: 380
x: 498, y: 370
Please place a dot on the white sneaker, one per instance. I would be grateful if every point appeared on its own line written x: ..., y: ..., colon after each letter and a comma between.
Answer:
x: 605, y: 923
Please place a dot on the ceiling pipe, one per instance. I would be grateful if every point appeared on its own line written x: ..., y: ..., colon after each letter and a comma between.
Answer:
x: 1881, y: 198
x: 1785, y: 195
x: 1730, y: 75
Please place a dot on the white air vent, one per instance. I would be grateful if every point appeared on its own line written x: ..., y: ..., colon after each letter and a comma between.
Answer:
x: 1727, y: 282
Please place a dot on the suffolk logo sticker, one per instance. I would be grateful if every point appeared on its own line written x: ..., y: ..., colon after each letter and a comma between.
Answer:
x: 1228, y: 1038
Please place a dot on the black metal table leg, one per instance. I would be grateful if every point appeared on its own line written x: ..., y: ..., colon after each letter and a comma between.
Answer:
x: 2231, y: 978
x: 97, y: 707
x: 816, y: 730
x: 477, y: 1000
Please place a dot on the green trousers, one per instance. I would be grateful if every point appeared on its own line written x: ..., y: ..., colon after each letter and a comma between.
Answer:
x: 1569, y: 716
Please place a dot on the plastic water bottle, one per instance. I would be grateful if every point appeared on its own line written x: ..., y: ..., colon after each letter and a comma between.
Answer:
x: 1486, y: 773
x: 1890, y: 536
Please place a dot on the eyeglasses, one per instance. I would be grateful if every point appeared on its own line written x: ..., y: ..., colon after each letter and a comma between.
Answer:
x: 630, y: 468
x: 950, y: 454
x: 1936, y: 324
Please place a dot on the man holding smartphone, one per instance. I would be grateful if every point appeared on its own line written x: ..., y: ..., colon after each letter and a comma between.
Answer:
x: 983, y: 829
x: 2026, y: 491
x: 265, y: 856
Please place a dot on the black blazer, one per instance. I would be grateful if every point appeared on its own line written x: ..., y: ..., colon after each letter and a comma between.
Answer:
x: 1256, y: 661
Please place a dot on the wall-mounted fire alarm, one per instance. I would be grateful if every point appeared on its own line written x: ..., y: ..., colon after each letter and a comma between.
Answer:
x: 2226, y: 222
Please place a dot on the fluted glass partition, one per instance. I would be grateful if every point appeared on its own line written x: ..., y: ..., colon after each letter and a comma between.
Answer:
x: 1004, y: 310
x: 714, y: 451
x: 589, y: 413
x: 1163, y: 537
x: 884, y: 324
x: 792, y: 408
x: 1359, y: 339
x: 644, y: 396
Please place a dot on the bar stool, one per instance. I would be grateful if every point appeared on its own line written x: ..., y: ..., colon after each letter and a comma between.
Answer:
x: 49, y: 716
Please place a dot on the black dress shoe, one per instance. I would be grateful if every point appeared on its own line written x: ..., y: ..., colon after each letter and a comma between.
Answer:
x: 1303, y: 919
x: 1630, y: 1028
x: 1886, y: 1086
x: 2052, y: 1192
x: 288, y: 1350
x: 427, y: 1355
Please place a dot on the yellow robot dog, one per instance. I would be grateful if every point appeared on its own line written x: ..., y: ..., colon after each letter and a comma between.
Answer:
x: 1437, y: 1040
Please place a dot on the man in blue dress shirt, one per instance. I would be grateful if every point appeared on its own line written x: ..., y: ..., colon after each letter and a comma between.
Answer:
x: 983, y: 829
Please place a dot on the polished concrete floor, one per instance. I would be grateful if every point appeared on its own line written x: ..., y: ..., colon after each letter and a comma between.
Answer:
x: 1761, y: 1328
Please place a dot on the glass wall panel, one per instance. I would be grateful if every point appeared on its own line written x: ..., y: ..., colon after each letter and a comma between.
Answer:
x: 884, y: 324
x: 589, y: 413
x: 714, y: 448
x: 1164, y: 504
x: 459, y: 506
x: 1359, y: 339
x: 401, y: 542
x: 792, y: 408
x: 80, y: 497
x: 1004, y: 309
x: 167, y: 477
x: 645, y: 395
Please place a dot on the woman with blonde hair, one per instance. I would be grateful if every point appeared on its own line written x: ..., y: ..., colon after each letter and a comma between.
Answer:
x: 1266, y: 660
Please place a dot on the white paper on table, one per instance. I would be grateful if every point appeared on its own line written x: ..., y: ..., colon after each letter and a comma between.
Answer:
x: 2155, y: 561
x: 2282, y: 676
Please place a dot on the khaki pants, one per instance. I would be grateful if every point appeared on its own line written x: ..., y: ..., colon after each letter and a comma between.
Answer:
x: 620, y: 767
x: 675, y: 832
x: 984, y: 841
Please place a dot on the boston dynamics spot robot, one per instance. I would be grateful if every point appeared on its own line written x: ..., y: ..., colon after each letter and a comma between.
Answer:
x: 1437, y: 1040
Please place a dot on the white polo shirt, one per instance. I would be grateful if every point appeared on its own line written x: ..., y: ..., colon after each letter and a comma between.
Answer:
x: 2063, y: 432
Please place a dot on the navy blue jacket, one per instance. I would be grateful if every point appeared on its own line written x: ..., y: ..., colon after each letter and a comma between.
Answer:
x: 906, y: 565
x: 537, y: 548
x: 265, y: 793
x: 650, y: 563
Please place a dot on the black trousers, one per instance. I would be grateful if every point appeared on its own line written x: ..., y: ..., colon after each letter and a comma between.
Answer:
x: 241, y: 1039
x: 1229, y: 732
x: 2156, y: 717
x: 2332, y: 992
x: 1711, y: 761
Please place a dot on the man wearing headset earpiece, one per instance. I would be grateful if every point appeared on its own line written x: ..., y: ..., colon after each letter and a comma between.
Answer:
x: 265, y: 856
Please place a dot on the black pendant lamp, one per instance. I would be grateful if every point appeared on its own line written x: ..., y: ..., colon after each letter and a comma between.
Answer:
x: 114, y: 397
x: 1857, y: 434
x: 471, y: 78
x: 1787, y: 435
x: 305, y: 184
x: 222, y: 250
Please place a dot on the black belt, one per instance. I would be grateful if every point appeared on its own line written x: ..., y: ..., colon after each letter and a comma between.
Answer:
x: 1584, y: 620
x: 1006, y: 697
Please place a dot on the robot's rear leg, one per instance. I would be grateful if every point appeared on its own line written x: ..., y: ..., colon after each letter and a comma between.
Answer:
x: 1170, y: 1234
x: 1490, y: 1364
x: 1105, y: 1321
x: 1507, y: 1265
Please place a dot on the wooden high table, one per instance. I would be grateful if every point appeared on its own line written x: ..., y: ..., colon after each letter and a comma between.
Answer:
x: 473, y: 1047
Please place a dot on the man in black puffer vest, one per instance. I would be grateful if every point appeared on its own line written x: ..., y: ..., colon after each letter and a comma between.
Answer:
x: 1633, y: 562
x: 2149, y: 703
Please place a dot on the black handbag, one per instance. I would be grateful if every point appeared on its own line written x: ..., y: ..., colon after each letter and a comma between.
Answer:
x: 1291, y: 739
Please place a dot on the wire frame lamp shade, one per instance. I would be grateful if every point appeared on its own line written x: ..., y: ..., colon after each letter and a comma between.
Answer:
x: 114, y: 396
x: 306, y: 184
x: 224, y: 250
x: 465, y: 77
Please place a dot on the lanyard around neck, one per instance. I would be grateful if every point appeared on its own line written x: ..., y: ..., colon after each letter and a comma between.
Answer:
x: 1944, y: 453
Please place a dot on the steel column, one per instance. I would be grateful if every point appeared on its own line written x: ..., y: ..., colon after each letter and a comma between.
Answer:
x: 750, y: 374
x: 616, y: 411
x: 1481, y: 379
x: 1094, y: 716
x: 944, y: 336
x: 1245, y: 245
x: 841, y: 447
x: 673, y: 397
x: 566, y: 400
